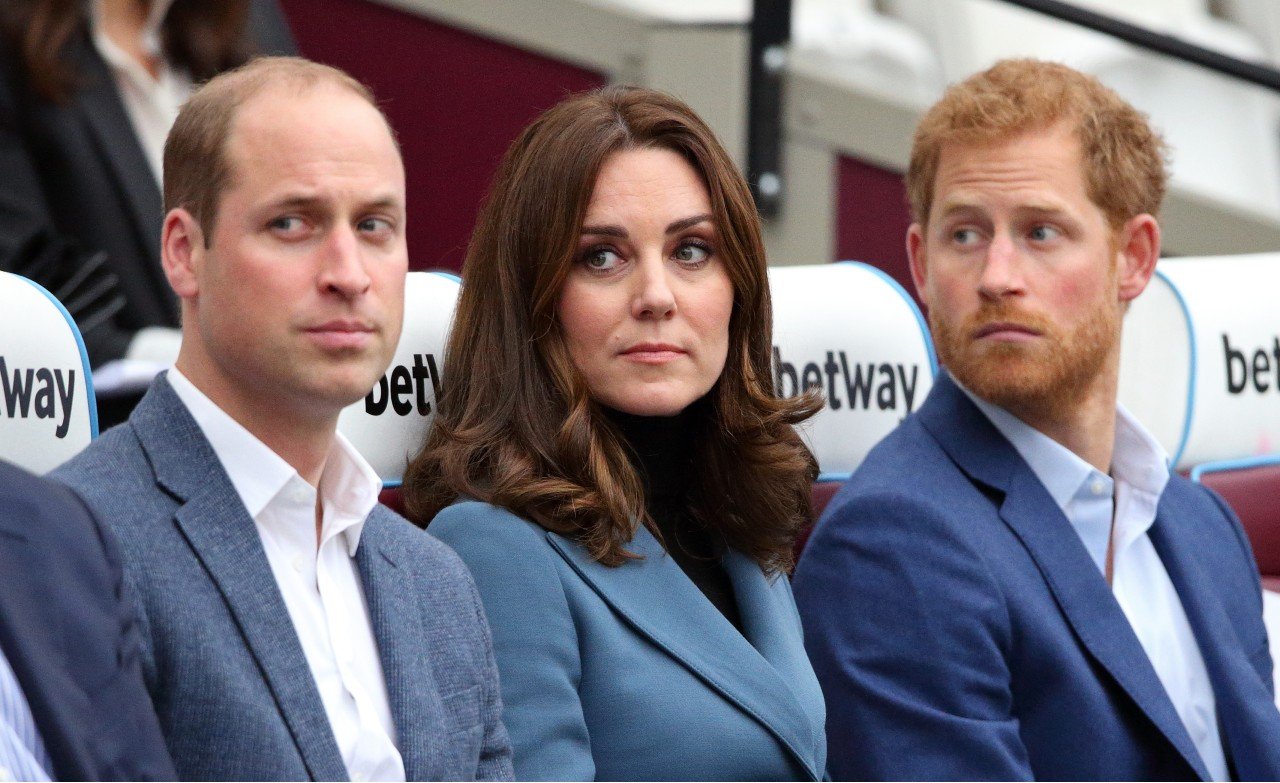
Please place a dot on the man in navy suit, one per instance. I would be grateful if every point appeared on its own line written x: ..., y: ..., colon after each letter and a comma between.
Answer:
x: 292, y: 627
x: 1014, y: 585
x: 72, y: 702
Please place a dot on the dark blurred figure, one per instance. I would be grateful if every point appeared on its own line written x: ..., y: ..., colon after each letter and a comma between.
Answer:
x: 88, y: 90
x: 72, y: 702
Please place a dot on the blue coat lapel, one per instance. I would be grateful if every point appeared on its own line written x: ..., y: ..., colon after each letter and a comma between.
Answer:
x: 415, y: 701
x: 655, y: 598
x: 1246, y: 714
x: 225, y: 540
x: 978, y: 449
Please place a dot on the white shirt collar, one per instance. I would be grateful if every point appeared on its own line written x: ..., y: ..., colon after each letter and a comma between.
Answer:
x: 150, y: 34
x: 1137, y: 457
x: 349, y: 485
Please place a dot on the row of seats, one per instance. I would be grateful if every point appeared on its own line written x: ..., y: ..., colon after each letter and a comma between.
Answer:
x: 1201, y: 367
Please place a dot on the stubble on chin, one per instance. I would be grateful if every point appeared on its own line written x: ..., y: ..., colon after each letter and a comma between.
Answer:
x: 1029, y: 378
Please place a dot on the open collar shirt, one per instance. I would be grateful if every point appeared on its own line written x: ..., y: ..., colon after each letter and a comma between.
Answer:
x: 319, y: 580
x: 1090, y: 500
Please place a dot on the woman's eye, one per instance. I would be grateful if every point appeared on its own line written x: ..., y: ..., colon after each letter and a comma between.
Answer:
x: 691, y: 253
x: 601, y: 259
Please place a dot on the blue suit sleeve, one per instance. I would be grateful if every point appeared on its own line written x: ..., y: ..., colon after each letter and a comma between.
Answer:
x: 908, y: 634
x: 534, y: 638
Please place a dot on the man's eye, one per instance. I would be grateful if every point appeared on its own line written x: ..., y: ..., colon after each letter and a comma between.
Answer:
x: 287, y: 224
x: 374, y: 225
x: 601, y: 259
x: 964, y: 236
x: 1044, y: 233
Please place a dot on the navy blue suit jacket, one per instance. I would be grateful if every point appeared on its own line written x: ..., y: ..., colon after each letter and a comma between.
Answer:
x: 961, y: 631
x: 231, y: 684
x: 70, y: 634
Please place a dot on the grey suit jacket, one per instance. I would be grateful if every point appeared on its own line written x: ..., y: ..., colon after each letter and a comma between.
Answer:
x: 232, y: 688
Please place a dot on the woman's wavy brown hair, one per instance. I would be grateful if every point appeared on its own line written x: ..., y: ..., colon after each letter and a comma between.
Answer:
x: 204, y: 38
x: 516, y: 426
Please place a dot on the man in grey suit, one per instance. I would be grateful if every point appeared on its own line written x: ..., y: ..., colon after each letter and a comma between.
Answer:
x: 292, y: 628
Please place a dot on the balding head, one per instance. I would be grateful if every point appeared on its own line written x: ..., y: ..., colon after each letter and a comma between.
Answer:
x: 197, y: 168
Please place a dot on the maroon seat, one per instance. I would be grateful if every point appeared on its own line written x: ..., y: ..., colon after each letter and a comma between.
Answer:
x: 822, y: 493
x: 391, y: 498
x: 1252, y: 489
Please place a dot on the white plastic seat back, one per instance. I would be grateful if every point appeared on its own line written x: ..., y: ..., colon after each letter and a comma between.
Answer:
x: 1200, y: 358
x: 391, y: 423
x: 850, y: 330
x: 47, y: 410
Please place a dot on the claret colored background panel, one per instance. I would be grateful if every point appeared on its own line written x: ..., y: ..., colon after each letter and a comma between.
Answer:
x: 455, y: 99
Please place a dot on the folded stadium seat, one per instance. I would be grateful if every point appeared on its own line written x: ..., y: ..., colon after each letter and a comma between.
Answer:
x: 47, y: 410
x: 390, y: 424
x: 1235, y: 161
x: 850, y: 331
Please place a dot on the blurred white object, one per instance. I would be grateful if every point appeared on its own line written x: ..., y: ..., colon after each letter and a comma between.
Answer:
x: 1224, y: 133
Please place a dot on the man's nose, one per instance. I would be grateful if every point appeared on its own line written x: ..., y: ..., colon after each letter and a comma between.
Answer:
x: 343, y: 269
x: 1002, y: 268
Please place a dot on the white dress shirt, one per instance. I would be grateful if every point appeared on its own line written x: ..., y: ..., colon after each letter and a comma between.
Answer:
x: 1090, y: 500
x: 320, y: 583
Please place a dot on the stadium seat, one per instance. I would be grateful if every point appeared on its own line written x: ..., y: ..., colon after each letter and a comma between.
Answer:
x: 1200, y: 359
x: 390, y: 424
x: 1252, y: 488
x: 47, y: 410
x: 855, y: 334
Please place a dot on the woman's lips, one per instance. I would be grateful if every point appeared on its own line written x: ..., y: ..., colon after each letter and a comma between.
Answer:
x: 653, y: 353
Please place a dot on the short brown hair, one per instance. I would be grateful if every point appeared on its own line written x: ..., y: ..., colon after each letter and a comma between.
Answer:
x: 196, y: 167
x: 516, y: 426
x: 1124, y: 157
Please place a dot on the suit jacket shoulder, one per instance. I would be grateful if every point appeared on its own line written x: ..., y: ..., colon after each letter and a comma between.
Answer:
x: 69, y: 632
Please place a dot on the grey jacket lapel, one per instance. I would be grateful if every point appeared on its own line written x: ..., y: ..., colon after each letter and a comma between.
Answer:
x: 225, y: 540
x: 689, y: 628
x: 1087, y: 603
x: 415, y: 701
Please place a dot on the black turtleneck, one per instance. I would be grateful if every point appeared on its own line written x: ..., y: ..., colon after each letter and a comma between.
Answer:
x: 663, y: 456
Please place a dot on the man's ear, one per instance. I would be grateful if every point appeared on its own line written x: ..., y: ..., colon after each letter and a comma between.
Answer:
x: 917, y: 260
x: 182, y: 252
x: 1137, y: 252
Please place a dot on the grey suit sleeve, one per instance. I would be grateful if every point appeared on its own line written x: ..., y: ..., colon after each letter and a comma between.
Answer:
x: 495, y: 749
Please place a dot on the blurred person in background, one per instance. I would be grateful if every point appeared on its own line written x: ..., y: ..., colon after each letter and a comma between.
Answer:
x: 625, y: 485
x: 88, y: 91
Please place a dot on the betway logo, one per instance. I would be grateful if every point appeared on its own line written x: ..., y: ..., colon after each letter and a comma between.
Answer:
x: 30, y: 392
x: 403, y: 386
x: 888, y: 383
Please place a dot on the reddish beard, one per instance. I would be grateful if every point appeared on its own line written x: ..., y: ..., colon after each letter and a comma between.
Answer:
x: 1044, y: 375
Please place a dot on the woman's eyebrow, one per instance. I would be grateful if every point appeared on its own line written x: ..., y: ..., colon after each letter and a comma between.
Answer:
x: 689, y: 222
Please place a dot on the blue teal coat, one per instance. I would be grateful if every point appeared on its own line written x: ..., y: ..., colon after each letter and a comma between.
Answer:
x: 630, y: 673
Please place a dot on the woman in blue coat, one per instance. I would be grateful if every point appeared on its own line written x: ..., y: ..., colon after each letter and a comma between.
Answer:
x: 610, y: 460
